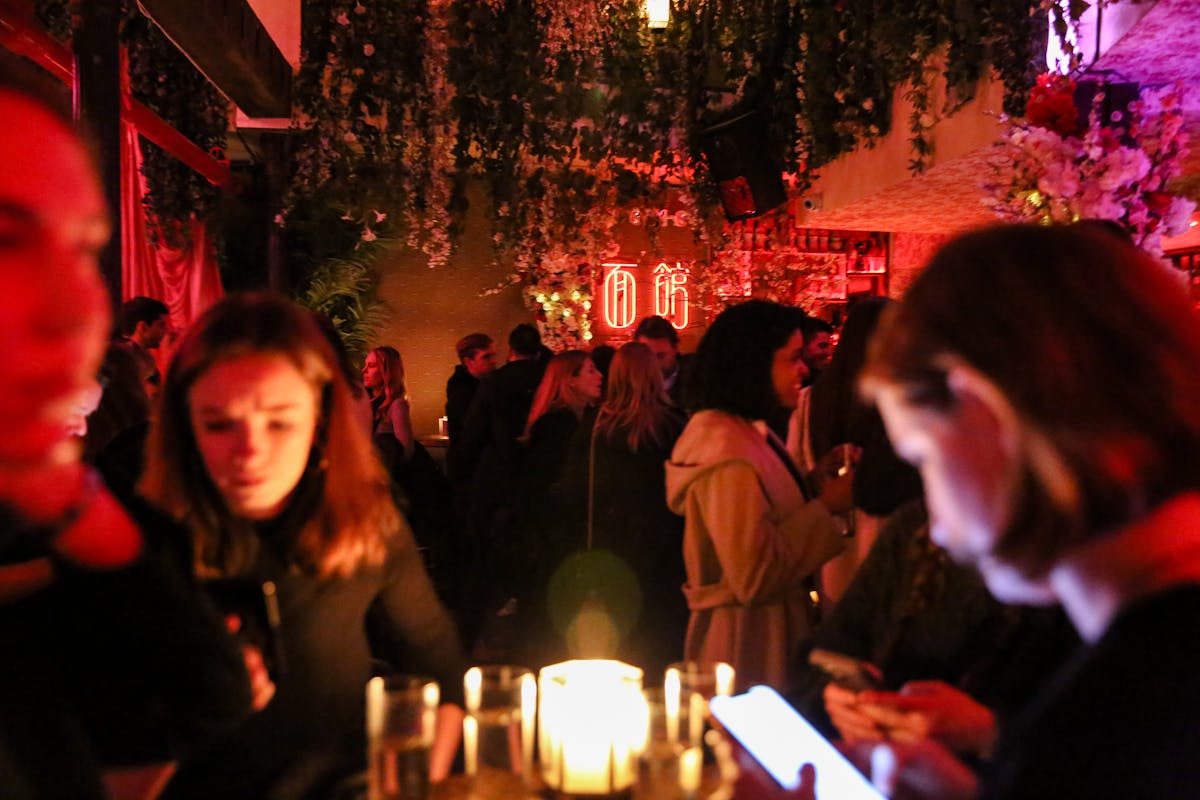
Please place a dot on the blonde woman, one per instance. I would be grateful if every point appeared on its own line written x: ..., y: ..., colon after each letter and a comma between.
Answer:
x: 383, y: 378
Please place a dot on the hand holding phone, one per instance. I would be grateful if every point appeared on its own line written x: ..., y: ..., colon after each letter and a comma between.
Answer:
x: 782, y: 741
x: 846, y: 671
x: 255, y: 605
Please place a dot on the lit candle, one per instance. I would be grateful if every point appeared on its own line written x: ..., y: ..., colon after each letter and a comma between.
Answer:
x: 725, y: 678
x: 430, y: 696
x: 690, y: 761
x: 528, y: 709
x: 593, y: 721
x: 473, y: 688
x: 671, y: 690
x: 473, y: 685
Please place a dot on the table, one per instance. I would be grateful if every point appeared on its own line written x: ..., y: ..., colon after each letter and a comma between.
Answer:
x: 494, y: 784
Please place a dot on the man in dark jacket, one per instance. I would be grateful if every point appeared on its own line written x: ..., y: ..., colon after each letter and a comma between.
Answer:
x: 489, y: 449
x: 477, y: 358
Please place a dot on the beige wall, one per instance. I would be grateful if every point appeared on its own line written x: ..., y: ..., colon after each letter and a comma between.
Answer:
x: 910, y: 252
x: 431, y: 309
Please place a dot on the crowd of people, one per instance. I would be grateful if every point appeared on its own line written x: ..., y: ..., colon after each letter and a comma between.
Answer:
x: 865, y: 527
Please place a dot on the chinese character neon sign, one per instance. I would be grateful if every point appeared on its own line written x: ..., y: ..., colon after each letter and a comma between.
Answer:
x: 671, y: 293
x: 620, y: 295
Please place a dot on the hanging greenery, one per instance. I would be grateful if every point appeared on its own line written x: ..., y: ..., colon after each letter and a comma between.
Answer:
x: 569, y: 110
x: 162, y: 79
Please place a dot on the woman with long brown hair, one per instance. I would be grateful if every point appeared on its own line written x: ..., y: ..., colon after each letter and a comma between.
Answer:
x: 571, y: 383
x: 623, y: 547
x: 257, y: 450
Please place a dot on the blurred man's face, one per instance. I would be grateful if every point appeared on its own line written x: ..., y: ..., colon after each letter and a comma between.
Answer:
x: 152, y: 334
x: 54, y: 321
x: 818, y: 351
x: 483, y: 362
x: 666, y: 353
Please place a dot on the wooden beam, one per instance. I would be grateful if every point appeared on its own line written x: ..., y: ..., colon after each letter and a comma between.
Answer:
x: 21, y: 36
x: 157, y: 130
x: 228, y: 43
x: 97, y: 90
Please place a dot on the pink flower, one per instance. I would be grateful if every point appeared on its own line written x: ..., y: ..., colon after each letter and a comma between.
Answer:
x: 342, y: 19
x: 368, y: 49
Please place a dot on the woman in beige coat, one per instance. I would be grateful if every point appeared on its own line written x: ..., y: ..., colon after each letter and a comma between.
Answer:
x: 754, y: 537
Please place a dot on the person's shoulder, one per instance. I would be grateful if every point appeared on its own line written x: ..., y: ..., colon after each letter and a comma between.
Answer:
x: 556, y: 423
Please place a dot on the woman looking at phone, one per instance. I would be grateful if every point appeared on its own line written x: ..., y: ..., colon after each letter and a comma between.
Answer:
x: 1058, y: 447
x: 258, y: 451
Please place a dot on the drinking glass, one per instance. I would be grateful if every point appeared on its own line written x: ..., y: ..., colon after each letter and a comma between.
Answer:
x: 706, y: 678
x: 672, y: 759
x: 498, y: 727
x: 401, y: 718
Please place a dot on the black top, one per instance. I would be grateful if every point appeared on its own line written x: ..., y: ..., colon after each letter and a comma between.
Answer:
x: 497, y: 417
x: 635, y: 567
x: 312, y: 733
x: 917, y: 615
x: 115, y: 666
x: 460, y: 391
x: 1118, y: 721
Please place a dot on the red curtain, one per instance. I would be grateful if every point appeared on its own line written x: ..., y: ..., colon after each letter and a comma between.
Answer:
x: 186, y: 280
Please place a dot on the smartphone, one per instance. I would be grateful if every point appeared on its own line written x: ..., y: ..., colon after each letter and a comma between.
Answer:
x: 256, y: 605
x: 782, y: 741
x: 846, y: 671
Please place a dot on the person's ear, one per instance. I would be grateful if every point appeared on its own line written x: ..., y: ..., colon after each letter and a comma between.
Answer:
x: 983, y: 408
x: 986, y: 411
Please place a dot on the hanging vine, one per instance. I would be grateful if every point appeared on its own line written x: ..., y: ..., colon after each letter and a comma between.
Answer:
x: 162, y: 79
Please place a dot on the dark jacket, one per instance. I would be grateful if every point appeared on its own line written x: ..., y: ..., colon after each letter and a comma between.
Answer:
x: 635, y: 562
x: 494, y: 422
x: 105, y: 667
x: 460, y: 391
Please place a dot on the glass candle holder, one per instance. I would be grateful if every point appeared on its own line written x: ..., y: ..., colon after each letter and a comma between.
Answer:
x: 592, y: 724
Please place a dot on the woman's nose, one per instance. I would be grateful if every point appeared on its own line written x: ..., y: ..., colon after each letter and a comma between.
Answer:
x: 248, y: 442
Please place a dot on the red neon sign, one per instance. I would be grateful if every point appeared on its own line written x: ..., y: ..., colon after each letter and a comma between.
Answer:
x: 671, y: 293
x: 620, y: 296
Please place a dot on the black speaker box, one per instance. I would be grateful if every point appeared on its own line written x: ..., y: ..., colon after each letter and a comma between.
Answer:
x: 738, y: 155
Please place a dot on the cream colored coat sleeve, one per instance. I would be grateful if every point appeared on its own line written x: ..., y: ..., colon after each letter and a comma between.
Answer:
x: 760, y: 552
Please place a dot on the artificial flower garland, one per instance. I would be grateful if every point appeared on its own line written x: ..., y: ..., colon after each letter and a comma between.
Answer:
x: 1059, y: 165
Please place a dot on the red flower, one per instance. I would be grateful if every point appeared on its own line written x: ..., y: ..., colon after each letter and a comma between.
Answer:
x: 1052, y: 105
x: 1157, y: 203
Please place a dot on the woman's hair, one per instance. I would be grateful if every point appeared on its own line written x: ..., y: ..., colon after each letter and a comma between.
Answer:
x: 342, y: 506
x: 836, y: 413
x: 554, y: 392
x: 391, y: 369
x: 731, y: 371
x: 1097, y: 348
x: 637, y: 405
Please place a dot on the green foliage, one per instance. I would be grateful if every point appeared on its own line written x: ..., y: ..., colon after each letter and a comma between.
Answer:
x: 163, y: 79
x: 345, y: 289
